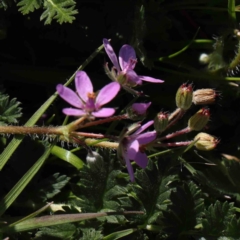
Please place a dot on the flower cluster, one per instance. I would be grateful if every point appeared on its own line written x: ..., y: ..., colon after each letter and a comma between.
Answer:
x: 133, y: 142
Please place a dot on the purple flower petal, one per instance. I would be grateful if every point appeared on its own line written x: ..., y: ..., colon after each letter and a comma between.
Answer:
x: 69, y: 96
x: 133, y: 78
x: 107, y: 93
x: 73, y: 112
x: 104, y: 112
x: 126, y: 54
x: 140, y: 108
x: 143, y: 127
x: 111, y: 54
x: 150, y: 79
x: 147, y: 137
x: 83, y: 85
x: 130, y: 169
x: 132, y: 149
x: 133, y: 153
x: 141, y: 159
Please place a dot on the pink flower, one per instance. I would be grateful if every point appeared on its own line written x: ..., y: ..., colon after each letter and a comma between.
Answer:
x: 127, y: 60
x: 131, y: 148
x: 85, y: 101
x: 140, y: 108
x: 138, y: 111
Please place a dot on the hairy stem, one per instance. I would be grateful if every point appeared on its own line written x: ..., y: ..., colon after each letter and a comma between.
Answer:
x: 175, y: 134
x: 30, y: 130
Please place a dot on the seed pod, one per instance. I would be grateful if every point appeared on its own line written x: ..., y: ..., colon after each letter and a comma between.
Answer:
x: 161, y: 122
x: 204, y: 96
x: 184, y: 96
x: 205, y: 142
x: 199, y: 120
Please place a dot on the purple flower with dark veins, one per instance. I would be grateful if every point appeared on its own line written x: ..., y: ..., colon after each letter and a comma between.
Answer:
x: 85, y: 101
x: 122, y: 70
x: 132, y: 147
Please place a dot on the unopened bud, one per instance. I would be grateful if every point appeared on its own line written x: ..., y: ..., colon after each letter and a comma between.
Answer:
x: 204, y: 96
x: 199, y: 120
x: 205, y: 142
x: 138, y: 111
x: 94, y: 160
x: 161, y: 121
x: 184, y: 96
x: 204, y: 58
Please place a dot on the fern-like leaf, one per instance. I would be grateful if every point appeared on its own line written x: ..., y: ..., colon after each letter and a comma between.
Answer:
x: 27, y: 6
x: 63, y: 231
x: 92, y: 234
x: 61, y: 10
x: 102, y: 190
x: 233, y: 228
x: 9, y: 110
x: 217, y: 219
x: 51, y: 186
x: 153, y: 190
x: 185, y: 212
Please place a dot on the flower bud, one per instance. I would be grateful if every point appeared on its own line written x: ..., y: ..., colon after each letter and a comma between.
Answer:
x: 184, y: 96
x: 94, y: 160
x: 205, y: 142
x: 161, y: 122
x: 199, y: 120
x: 138, y: 111
x: 204, y: 58
x: 204, y: 96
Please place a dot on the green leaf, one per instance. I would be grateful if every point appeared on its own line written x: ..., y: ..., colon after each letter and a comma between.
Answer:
x: 185, y: 211
x: 223, y: 178
x: 217, y: 218
x: 67, y: 156
x: 233, y: 228
x: 62, y: 10
x: 51, y: 186
x: 91, y: 234
x: 9, y: 110
x: 119, y: 234
x: 153, y: 189
x: 63, y: 231
x: 27, y: 6
x: 101, y: 189
x: 32, y: 214
x: 53, y: 220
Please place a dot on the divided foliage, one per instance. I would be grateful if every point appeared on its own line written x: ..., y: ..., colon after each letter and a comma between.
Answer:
x: 61, y: 10
x: 9, y: 110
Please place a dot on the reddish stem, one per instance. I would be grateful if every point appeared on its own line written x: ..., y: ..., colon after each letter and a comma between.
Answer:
x: 175, y: 134
x: 101, y: 121
x: 174, y: 144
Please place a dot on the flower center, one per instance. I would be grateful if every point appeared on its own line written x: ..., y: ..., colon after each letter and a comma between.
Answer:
x: 90, y: 103
x: 91, y: 95
x: 142, y: 148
